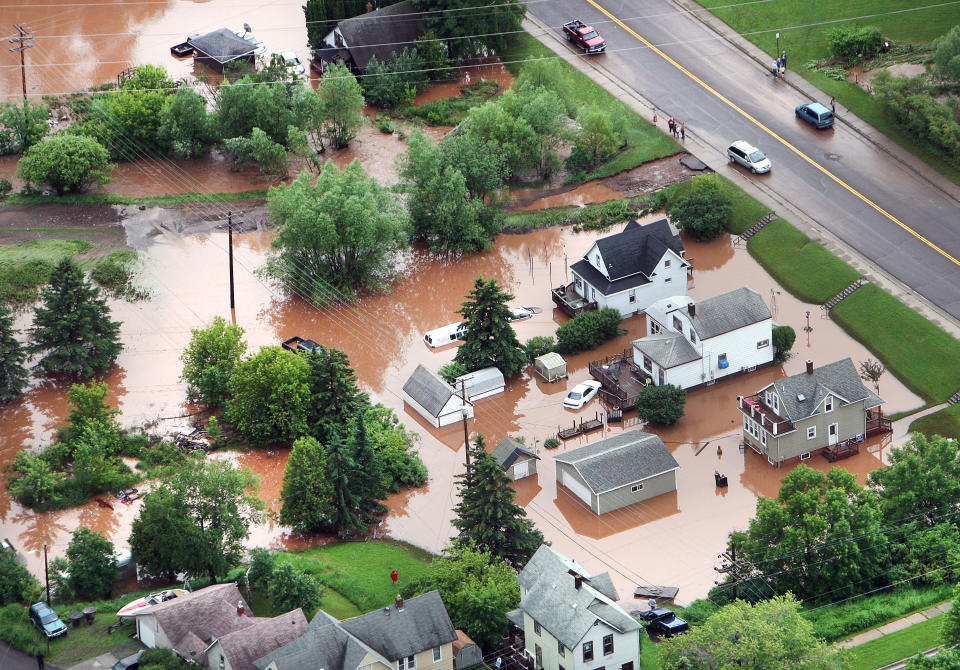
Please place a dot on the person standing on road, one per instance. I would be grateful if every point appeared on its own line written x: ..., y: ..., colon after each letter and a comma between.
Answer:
x: 833, y: 106
x: 683, y: 131
x: 783, y: 59
x: 671, y: 124
x: 776, y: 68
x: 40, y: 665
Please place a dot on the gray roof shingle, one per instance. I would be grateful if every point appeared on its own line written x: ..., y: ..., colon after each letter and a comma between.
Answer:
x: 728, y: 311
x: 620, y: 460
x: 428, y: 389
x: 382, y: 33
x: 554, y: 602
x: 839, y: 378
x: 222, y: 45
x: 423, y: 624
x: 667, y: 349
x: 508, y: 451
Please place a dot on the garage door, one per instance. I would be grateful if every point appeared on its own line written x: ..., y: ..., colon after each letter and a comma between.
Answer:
x: 577, y: 487
x: 521, y: 470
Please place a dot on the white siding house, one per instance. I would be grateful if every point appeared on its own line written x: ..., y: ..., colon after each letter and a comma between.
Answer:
x: 693, y: 343
x: 570, y: 619
x: 632, y: 269
x: 434, y: 399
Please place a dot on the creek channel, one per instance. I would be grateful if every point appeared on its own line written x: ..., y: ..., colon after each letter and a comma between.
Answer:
x: 672, y: 539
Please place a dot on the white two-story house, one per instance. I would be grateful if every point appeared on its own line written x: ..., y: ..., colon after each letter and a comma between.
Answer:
x: 571, y: 620
x: 694, y: 343
x: 632, y: 269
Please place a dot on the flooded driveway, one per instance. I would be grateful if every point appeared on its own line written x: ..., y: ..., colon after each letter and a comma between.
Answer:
x: 672, y: 539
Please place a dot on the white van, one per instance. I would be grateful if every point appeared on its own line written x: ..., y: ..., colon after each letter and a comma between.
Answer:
x: 443, y: 336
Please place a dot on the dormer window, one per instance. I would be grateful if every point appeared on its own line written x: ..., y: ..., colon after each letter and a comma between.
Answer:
x: 677, y: 325
x: 828, y: 404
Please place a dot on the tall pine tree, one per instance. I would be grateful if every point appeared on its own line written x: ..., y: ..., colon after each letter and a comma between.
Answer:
x: 335, y: 397
x: 72, y: 328
x: 490, y: 339
x: 342, y: 473
x: 368, y: 482
x: 13, y: 374
x: 487, y: 513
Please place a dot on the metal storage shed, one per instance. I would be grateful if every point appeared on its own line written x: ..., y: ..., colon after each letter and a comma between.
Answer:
x: 481, y: 383
x: 550, y: 366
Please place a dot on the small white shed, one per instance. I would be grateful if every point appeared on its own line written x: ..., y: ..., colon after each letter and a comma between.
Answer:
x: 550, y: 366
x: 434, y: 399
x: 481, y: 383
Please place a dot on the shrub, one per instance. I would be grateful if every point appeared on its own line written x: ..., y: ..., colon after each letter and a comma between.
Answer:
x: 783, y: 339
x: 258, y: 149
x: 703, y: 215
x: 5, y: 188
x: 161, y: 659
x: 17, y: 631
x: 539, y: 345
x: 262, y: 563
x: 661, y: 404
x: 451, y: 371
x: 855, y: 43
x: 66, y: 163
x: 588, y: 330
x: 551, y: 443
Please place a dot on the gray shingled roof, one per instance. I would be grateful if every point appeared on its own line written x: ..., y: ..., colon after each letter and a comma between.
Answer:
x: 839, y: 378
x: 387, y: 30
x: 620, y: 460
x: 222, y: 45
x: 554, y: 602
x: 728, y: 311
x: 423, y: 624
x: 667, y: 349
x: 604, y: 585
x: 508, y: 451
x: 243, y: 647
x: 324, y: 645
x: 428, y: 389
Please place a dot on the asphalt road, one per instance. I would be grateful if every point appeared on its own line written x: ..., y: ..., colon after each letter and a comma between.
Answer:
x: 835, y: 177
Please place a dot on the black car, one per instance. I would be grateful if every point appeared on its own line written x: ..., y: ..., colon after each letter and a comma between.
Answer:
x: 47, y: 620
x: 128, y: 663
x: 664, y: 622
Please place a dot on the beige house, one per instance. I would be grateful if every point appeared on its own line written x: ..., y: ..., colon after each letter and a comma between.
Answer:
x: 826, y: 408
x: 411, y: 635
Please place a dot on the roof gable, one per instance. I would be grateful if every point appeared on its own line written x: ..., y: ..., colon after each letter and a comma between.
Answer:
x: 667, y: 350
x: 839, y: 378
x: 509, y: 450
x: 382, y: 33
x: 423, y: 624
x: 620, y: 460
x: 637, y: 249
x: 728, y: 311
x: 242, y: 647
x: 204, y: 614
x: 428, y: 389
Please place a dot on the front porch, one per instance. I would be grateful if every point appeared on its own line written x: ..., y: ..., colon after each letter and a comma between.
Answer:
x: 570, y: 302
x: 876, y: 423
x: 621, y: 379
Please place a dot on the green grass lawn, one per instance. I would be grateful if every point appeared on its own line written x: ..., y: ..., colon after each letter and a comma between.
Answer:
x: 115, y: 199
x: 895, y: 646
x: 923, y: 356
x: 900, y: 20
x: 359, y: 572
x: 946, y: 422
x: 649, y: 655
x: 809, y: 271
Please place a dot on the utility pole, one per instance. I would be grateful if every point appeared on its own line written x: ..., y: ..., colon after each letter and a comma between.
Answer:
x: 463, y: 414
x: 46, y: 574
x: 230, y: 253
x: 22, y: 41
x: 740, y: 569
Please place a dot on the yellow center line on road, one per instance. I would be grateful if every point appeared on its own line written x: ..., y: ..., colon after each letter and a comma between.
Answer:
x: 773, y: 134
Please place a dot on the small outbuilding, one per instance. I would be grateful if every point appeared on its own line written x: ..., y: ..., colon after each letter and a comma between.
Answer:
x: 434, y: 399
x: 466, y: 653
x: 550, y: 366
x: 220, y: 47
x: 481, y: 383
x: 619, y: 471
x: 515, y: 459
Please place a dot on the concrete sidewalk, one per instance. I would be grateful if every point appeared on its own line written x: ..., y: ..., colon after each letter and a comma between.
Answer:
x: 894, y: 626
x: 101, y: 662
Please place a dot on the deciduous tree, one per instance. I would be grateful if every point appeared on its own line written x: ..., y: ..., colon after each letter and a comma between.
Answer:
x: 394, y: 82
x: 258, y: 149
x: 946, y: 55
x: 72, y: 326
x: 13, y: 374
x: 946, y: 659
x: 871, y: 371
x: 487, y: 513
x: 307, y: 495
x: 394, y: 445
x: 22, y: 125
x: 210, y: 360
x: 17, y: 585
x: 596, y: 139
x: 186, y: 129
x: 483, y: 167
x: 66, y: 162
x: 661, y: 404
x: 703, y: 215
x: 783, y: 339
x: 337, y: 236
x: 291, y: 588
x: 343, y: 103
x: 93, y: 567
x: 164, y: 515
x: 922, y: 478
x: 950, y: 630
x: 490, y: 339
x: 474, y: 32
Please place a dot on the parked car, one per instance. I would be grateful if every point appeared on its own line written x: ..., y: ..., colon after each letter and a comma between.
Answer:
x: 47, y: 620
x: 128, y: 663
x: 664, y: 622
x: 517, y: 313
x: 258, y: 46
x: 815, y: 114
x: 581, y: 394
x: 439, y: 337
x: 748, y: 156
x: 292, y: 62
x: 584, y: 36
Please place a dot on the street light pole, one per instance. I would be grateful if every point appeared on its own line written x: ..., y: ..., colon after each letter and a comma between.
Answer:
x: 778, y: 45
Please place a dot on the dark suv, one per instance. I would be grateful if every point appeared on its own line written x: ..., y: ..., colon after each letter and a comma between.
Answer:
x: 47, y: 620
x: 664, y: 622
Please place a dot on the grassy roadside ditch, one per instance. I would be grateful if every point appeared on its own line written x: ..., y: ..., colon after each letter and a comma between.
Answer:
x: 808, y: 44
x: 117, y: 199
x: 895, y: 646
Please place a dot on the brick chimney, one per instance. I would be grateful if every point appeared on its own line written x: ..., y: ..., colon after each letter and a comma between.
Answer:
x: 692, y: 309
x: 399, y: 603
x: 240, y: 608
x: 577, y: 581
x: 809, y: 367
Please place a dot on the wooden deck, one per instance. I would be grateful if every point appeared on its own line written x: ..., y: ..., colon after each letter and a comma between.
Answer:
x: 841, y: 450
x: 621, y: 379
x: 570, y: 302
x: 588, y: 426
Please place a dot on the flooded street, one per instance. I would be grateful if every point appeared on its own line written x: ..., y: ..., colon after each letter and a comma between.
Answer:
x: 382, y: 334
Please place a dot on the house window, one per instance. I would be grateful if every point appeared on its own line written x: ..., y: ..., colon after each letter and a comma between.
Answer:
x: 409, y: 663
x: 661, y: 377
x: 828, y: 404
x: 437, y: 654
x: 666, y: 263
x: 693, y: 336
x: 668, y: 280
x: 647, y: 363
x: 805, y: 456
x: 633, y: 296
x: 811, y: 432
x: 607, y: 645
x: 654, y: 327
x: 587, y: 652
x: 536, y: 627
x: 539, y: 655
x: 763, y: 344
x: 561, y: 650
x: 577, y: 282
x: 636, y: 487
x: 593, y: 293
x: 677, y: 325
x: 776, y: 402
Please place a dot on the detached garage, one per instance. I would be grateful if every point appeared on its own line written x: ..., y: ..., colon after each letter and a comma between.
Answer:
x: 619, y: 471
x: 434, y: 399
x: 481, y: 383
x: 515, y: 459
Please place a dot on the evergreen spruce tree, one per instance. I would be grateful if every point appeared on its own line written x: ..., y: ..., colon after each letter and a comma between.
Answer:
x: 342, y: 473
x: 368, y: 482
x: 487, y: 513
x: 307, y: 489
x: 335, y: 397
x: 13, y: 374
x: 490, y: 339
x: 72, y: 328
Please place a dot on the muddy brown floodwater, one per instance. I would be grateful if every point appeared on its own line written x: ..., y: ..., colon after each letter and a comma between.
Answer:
x: 382, y: 334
